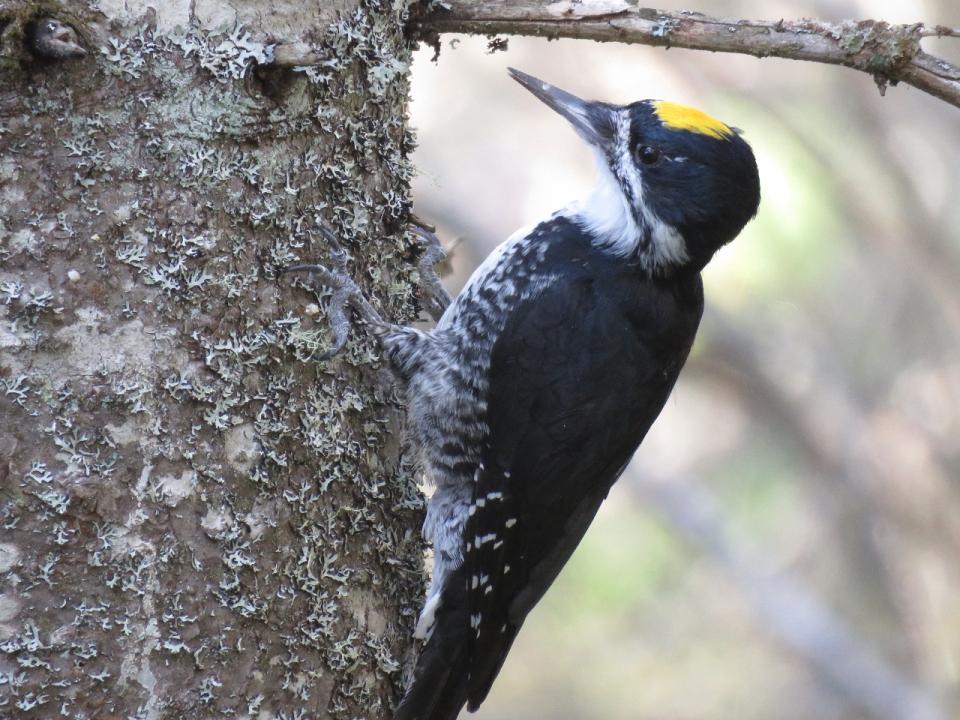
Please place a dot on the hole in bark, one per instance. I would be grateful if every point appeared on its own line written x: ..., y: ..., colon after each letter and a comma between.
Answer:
x: 272, y: 81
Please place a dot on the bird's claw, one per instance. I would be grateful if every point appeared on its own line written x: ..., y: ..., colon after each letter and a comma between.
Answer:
x: 435, y: 297
x: 343, y: 289
x: 345, y: 292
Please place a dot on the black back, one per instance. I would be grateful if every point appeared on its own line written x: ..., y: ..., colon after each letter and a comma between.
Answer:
x: 577, y: 377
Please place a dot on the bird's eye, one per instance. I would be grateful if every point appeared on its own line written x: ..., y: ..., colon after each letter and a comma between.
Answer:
x: 647, y: 155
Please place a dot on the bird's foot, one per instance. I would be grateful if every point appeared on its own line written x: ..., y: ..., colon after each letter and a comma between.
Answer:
x: 435, y: 298
x: 346, y: 293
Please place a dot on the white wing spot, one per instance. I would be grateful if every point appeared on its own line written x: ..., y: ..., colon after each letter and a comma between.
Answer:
x: 427, y: 616
x: 510, y: 523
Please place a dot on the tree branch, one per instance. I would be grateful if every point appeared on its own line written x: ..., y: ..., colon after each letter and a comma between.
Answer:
x: 890, y: 53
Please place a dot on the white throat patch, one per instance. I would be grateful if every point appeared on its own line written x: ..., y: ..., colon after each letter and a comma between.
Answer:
x: 608, y: 216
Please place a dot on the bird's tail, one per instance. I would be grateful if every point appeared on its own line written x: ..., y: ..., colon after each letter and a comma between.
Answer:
x: 439, y: 687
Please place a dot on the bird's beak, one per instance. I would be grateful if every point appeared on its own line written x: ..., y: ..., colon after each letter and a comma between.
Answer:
x: 593, y: 121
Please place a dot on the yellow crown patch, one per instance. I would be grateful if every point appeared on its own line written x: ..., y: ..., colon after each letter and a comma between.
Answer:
x: 681, y: 117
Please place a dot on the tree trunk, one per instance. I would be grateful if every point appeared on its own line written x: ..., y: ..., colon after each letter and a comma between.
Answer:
x: 197, y: 518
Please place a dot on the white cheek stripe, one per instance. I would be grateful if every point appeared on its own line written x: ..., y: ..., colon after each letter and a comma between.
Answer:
x: 607, y: 215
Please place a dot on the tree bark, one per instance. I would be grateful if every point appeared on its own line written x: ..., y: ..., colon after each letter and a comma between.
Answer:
x: 197, y: 519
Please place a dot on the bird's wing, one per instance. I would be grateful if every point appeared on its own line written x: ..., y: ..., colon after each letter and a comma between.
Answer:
x: 576, y: 379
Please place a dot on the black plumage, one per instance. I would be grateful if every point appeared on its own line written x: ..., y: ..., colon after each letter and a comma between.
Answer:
x: 543, y: 376
x: 577, y: 376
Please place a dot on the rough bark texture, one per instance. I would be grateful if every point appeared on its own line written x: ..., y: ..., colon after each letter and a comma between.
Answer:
x: 196, y: 518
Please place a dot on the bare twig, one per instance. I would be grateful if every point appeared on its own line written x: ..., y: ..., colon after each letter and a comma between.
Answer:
x: 890, y: 53
x: 793, y: 615
x: 941, y: 31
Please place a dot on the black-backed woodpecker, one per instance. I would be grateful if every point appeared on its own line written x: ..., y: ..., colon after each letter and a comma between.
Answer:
x: 543, y: 376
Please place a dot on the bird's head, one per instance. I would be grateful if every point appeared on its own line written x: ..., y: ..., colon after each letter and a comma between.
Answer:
x: 675, y: 186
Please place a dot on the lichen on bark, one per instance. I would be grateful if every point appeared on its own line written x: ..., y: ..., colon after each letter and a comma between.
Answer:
x: 196, y: 518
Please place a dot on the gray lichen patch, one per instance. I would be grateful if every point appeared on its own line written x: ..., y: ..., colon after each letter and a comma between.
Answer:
x: 9, y: 556
x: 878, y: 47
x: 10, y: 606
x: 91, y: 341
x: 124, y: 433
x: 240, y: 447
x: 173, y: 488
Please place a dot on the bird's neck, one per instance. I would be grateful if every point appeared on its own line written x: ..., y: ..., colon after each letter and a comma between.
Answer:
x: 617, y: 226
x: 606, y: 216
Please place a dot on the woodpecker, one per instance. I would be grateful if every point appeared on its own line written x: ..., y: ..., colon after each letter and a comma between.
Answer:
x: 542, y: 377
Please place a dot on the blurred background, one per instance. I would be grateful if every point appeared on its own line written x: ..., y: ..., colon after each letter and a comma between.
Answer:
x: 786, y: 543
